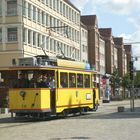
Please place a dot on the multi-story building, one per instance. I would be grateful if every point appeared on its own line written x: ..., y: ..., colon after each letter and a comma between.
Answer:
x: 102, y: 56
x: 103, y: 78
x: 84, y: 43
x: 28, y: 26
x: 106, y: 33
x: 121, y: 55
x: 116, y: 58
x: 93, y: 39
x: 93, y: 42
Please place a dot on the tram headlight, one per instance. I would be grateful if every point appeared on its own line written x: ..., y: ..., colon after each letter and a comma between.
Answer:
x: 22, y: 93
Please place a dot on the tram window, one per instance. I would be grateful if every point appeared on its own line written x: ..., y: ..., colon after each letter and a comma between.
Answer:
x: 8, y: 78
x: 72, y: 80
x: 79, y: 80
x: 23, y: 81
x: 87, y: 80
x: 63, y: 80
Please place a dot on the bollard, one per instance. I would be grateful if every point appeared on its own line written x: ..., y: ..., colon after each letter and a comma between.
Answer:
x: 120, y: 108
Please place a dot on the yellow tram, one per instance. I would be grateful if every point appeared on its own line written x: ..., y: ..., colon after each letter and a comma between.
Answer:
x: 49, y: 86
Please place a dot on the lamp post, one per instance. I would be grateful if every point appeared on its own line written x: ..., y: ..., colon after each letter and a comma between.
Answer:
x: 132, y: 71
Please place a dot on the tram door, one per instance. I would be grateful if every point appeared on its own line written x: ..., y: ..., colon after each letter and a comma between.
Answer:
x: 94, y: 98
x: 53, y: 94
x: 53, y: 99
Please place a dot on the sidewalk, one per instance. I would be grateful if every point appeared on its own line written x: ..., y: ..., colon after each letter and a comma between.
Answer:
x: 124, y: 103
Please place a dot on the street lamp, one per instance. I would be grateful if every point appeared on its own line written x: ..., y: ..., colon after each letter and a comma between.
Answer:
x: 132, y: 70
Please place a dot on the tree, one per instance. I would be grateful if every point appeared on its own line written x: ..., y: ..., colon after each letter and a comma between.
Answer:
x: 126, y: 83
x: 115, y: 80
x: 137, y: 79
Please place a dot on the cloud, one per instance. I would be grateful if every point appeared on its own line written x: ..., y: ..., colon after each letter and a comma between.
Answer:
x: 80, y: 3
x: 133, y: 39
x: 123, y: 7
x: 135, y: 20
x: 128, y: 9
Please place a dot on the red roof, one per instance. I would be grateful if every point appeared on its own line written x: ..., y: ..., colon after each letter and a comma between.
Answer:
x: 118, y: 40
x: 89, y: 20
x: 105, y: 32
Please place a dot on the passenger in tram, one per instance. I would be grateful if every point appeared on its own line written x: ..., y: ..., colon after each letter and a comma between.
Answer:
x: 33, y: 81
x: 79, y: 81
x: 23, y: 81
x: 52, y: 82
x: 72, y: 81
x: 63, y: 82
x: 44, y: 82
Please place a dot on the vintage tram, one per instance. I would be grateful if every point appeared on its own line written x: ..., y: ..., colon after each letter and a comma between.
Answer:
x: 43, y: 86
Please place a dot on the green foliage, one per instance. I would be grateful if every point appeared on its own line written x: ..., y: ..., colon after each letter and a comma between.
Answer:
x: 115, y: 79
x: 126, y: 82
x: 137, y: 79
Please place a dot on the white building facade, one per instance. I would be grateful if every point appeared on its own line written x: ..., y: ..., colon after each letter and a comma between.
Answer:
x: 28, y: 26
x: 84, y: 43
x: 102, y: 56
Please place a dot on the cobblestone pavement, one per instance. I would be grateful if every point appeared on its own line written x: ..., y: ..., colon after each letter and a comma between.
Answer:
x: 105, y: 124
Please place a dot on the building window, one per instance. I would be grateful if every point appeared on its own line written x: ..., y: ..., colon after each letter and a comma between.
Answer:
x: 29, y: 37
x: 29, y: 11
x: 38, y: 15
x: 55, y: 45
x: 38, y: 40
x: 12, y: 7
x: 54, y: 4
x: 63, y: 80
x: 47, y: 43
x: 47, y: 2
x: 34, y: 13
x: 24, y: 35
x: 84, y: 48
x: 61, y: 7
x: 43, y: 17
x: 0, y: 35
x: 0, y: 7
x: 47, y: 20
x: 34, y: 38
x: 12, y: 34
x: 72, y: 80
x: 24, y: 9
x: 87, y: 81
x: 43, y: 42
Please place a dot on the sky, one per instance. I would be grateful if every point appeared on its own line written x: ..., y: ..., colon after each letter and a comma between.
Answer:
x: 123, y: 16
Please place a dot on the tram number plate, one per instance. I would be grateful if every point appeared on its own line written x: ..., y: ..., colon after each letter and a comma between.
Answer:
x: 88, y: 96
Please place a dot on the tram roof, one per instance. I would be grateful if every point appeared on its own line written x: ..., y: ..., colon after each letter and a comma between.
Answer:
x: 14, y: 68
x: 32, y: 63
x: 46, y: 68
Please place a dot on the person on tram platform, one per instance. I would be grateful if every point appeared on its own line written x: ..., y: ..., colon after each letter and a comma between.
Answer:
x: 44, y: 81
x: 52, y: 82
x: 23, y: 81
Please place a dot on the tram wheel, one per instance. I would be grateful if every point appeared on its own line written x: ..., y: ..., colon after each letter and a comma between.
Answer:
x: 65, y: 113
x: 81, y: 111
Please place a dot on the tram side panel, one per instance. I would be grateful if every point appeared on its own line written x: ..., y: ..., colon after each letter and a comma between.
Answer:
x: 66, y: 99
x: 86, y: 98
x: 29, y: 100
x: 74, y: 98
